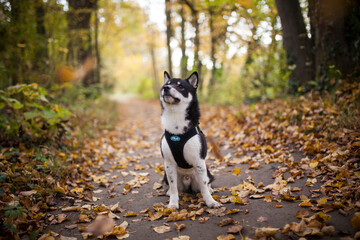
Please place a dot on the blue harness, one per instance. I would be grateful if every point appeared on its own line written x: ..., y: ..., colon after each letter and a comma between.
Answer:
x: 177, y: 143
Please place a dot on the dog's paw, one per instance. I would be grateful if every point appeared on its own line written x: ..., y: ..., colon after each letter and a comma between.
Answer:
x: 213, y: 204
x: 174, y: 206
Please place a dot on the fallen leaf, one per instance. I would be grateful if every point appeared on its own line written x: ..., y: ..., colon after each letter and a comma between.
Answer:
x: 130, y: 214
x: 219, y: 212
x: 262, y: 219
x: 225, y: 221
x: 157, y: 186
x: 28, y: 193
x: 61, y: 217
x: 67, y: 238
x: 71, y: 209
x: 72, y: 226
x: 235, y: 229
x: 174, y: 216
x: 302, y: 213
x: 204, y: 219
x: 183, y: 237
x: 236, y: 171
x: 266, y: 232
x: 226, y: 237
x: 84, y: 218
x: 162, y: 229
x: 232, y: 211
x: 179, y: 227
x: 305, y: 203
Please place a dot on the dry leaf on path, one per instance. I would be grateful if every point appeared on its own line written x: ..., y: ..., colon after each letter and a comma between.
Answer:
x: 235, y: 229
x: 183, y: 237
x: 266, y: 232
x: 226, y: 237
x: 179, y: 227
x: 225, y: 221
x: 236, y: 171
x: 162, y: 229
x: 61, y: 217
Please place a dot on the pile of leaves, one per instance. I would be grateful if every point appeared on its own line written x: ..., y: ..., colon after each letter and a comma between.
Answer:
x: 324, y: 128
x: 38, y: 139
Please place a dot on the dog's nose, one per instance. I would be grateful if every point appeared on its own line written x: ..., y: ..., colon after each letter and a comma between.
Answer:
x: 166, y: 88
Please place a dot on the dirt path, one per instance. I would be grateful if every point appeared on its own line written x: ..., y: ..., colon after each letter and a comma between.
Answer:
x: 130, y: 171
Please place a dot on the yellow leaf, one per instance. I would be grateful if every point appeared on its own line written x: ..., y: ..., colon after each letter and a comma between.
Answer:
x: 174, y: 216
x: 226, y: 237
x: 236, y: 171
x: 238, y: 200
x: 232, y: 211
x: 321, y: 202
x: 323, y: 216
x: 313, y: 164
x: 59, y: 189
x: 84, y: 218
x: 287, y: 198
x: 305, y: 203
x: 130, y: 214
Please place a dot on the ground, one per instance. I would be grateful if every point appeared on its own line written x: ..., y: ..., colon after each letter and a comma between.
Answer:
x: 126, y: 175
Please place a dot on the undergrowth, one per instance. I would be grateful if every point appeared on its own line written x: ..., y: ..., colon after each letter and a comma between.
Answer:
x: 39, y: 130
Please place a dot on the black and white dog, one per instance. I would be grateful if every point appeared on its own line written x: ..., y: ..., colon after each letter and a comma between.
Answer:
x: 183, y: 145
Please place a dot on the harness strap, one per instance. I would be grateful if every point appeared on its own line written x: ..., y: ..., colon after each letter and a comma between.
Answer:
x: 177, y: 143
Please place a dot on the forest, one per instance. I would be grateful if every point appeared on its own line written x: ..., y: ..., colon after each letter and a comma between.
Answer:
x: 279, y: 92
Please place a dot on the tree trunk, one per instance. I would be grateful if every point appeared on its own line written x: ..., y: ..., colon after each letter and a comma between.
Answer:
x: 97, y: 52
x: 195, y: 16
x: 156, y: 86
x: 197, y: 62
x: 296, y: 44
x: 212, y: 49
x: 13, y: 65
x: 168, y: 33
x: 183, y: 63
x: 335, y: 37
x: 41, y: 53
x: 80, y: 44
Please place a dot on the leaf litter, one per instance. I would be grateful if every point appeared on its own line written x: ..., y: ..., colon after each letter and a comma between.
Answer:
x: 259, y: 134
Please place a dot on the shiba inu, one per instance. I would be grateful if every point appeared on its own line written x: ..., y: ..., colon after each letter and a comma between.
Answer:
x: 183, y: 145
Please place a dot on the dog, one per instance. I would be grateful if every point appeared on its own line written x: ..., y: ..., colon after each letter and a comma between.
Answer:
x: 183, y: 145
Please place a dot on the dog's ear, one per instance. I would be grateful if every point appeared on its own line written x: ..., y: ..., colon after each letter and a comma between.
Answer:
x: 166, y: 76
x: 193, y: 79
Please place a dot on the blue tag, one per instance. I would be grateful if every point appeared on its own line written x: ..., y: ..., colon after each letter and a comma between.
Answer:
x: 175, y: 138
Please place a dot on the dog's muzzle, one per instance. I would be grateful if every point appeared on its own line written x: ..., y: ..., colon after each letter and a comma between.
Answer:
x: 166, y: 95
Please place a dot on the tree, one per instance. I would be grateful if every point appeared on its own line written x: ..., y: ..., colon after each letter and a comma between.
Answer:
x: 80, y: 44
x: 183, y: 63
x: 336, y: 33
x: 296, y: 43
x: 195, y: 17
x: 169, y: 33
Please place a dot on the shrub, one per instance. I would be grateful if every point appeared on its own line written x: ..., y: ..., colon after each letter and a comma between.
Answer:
x: 28, y: 116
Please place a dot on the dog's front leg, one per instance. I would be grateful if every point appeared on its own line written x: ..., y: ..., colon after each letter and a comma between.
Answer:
x: 203, y: 181
x: 171, y: 173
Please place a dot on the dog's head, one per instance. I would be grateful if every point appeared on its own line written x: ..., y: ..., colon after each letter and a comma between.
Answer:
x: 179, y: 90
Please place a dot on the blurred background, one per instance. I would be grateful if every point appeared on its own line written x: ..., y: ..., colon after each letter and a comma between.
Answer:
x: 244, y: 50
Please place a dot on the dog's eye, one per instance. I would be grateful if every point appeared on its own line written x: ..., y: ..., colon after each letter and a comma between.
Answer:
x: 181, y: 87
